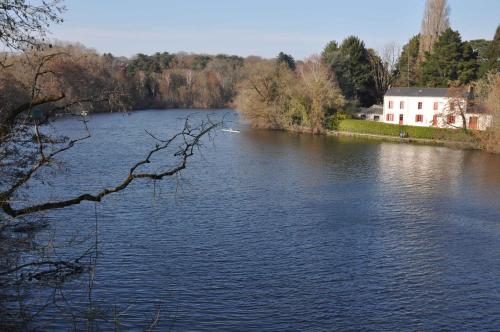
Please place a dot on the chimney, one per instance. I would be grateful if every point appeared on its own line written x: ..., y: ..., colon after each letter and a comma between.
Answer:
x: 470, y: 92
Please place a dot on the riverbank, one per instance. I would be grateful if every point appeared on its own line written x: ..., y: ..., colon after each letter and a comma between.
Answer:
x: 455, y: 138
x: 423, y: 141
x: 386, y: 129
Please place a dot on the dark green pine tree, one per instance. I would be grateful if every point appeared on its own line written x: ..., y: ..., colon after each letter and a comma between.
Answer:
x: 407, y: 68
x: 492, y: 62
x: 351, y: 65
x: 450, y: 61
x: 468, y: 66
x: 287, y: 59
x: 336, y: 61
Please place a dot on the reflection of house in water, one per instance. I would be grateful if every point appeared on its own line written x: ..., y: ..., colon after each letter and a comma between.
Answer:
x: 419, y: 169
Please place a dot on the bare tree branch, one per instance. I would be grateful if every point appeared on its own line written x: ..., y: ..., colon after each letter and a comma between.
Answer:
x: 191, y: 139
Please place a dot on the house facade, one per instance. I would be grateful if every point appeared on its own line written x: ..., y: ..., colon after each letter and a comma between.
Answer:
x: 430, y: 107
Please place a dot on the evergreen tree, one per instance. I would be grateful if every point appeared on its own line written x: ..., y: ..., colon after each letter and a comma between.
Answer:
x: 351, y: 65
x: 334, y: 59
x: 287, y: 59
x: 450, y: 61
x: 468, y: 66
x: 492, y: 55
x: 330, y: 52
x: 200, y: 62
x: 481, y: 47
x: 407, y: 69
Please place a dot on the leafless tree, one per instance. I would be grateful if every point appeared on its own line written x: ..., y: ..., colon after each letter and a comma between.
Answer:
x: 383, y: 65
x: 435, y: 21
x: 487, y: 94
x: 457, y: 105
x: 390, y: 55
x: 23, y: 23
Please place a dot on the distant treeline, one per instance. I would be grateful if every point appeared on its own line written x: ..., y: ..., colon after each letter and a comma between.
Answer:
x: 180, y: 80
x: 161, y: 80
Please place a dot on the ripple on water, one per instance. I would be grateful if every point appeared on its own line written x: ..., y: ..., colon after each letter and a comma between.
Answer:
x: 275, y: 231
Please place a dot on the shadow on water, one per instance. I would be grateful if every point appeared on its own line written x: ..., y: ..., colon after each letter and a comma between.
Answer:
x: 44, y: 287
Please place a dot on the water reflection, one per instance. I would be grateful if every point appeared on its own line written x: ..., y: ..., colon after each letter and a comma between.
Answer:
x: 280, y: 231
x: 426, y: 170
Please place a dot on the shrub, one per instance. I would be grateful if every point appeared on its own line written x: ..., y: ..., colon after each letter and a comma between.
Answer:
x: 333, y: 122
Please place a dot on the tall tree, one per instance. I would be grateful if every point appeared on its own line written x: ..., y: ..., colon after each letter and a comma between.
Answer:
x: 434, y: 23
x: 317, y: 95
x: 383, y: 66
x: 333, y: 58
x: 330, y: 52
x: 407, y: 70
x: 287, y: 59
x: 487, y: 93
x: 450, y: 61
x: 351, y: 65
x: 481, y: 47
x: 273, y: 96
x: 468, y: 65
x: 492, y: 62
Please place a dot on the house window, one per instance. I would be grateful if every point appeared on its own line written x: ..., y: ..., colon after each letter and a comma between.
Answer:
x: 450, y: 119
x: 435, y: 120
x: 419, y: 118
x: 420, y: 105
x: 435, y: 107
x: 401, y: 105
x: 390, y: 117
x: 391, y: 104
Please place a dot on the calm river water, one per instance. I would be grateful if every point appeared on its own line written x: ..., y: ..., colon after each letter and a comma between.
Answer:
x: 272, y: 231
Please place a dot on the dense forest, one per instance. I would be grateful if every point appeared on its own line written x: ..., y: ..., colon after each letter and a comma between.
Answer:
x: 161, y: 80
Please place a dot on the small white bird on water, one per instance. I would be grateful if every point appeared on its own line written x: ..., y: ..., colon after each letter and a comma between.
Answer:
x: 230, y: 130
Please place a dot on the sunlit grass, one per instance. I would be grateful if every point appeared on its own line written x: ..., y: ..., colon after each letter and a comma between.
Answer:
x: 378, y: 128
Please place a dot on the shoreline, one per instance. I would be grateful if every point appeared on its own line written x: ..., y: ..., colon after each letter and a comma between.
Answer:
x: 408, y: 140
x: 325, y: 132
x: 385, y: 138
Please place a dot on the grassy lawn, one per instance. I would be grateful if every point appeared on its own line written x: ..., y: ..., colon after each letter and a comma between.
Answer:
x: 378, y: 128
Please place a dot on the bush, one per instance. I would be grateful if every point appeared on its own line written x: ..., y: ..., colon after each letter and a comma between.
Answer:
x: 333, y: 122
x: 379, y: 128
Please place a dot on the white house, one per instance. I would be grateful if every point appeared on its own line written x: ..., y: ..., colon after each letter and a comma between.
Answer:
x: 430, y: 107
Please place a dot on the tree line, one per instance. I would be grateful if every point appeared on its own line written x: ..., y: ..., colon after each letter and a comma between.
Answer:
x: 161, y: 80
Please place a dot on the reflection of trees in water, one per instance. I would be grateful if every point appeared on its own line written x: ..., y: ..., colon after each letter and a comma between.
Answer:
x: 40, y: 289
x: 35, y: 279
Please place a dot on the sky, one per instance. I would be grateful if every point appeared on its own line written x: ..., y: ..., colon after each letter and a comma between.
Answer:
x: 257, y: 27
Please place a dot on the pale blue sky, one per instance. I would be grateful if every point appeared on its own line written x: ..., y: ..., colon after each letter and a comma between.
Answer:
x: 257, y: 27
